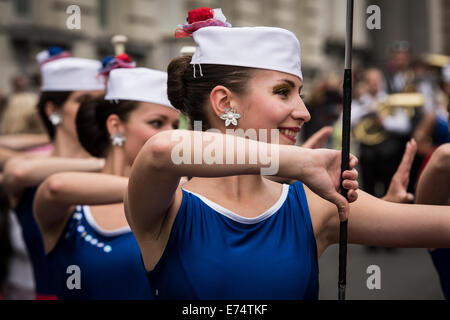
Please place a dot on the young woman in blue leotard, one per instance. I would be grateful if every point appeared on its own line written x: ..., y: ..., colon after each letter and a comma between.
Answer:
x: 66, y: 82
x: 81, y: 215
x: 229, y: 233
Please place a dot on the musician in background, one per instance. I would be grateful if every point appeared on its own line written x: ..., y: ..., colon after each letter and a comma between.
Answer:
x: 400, y: 75
x: 380, y: 156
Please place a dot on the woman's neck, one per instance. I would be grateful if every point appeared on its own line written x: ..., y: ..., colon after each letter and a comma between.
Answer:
x: 68, y: 147
x: 116, y: 163
x: 233, y: 187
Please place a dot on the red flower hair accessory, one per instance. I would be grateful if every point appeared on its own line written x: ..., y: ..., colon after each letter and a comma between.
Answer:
x: 200, y: 18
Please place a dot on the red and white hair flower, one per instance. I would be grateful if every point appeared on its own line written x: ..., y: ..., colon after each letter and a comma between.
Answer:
x: 200, y: 18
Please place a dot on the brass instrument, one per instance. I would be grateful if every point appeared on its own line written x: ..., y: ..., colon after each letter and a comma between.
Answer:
x: 370, y: 132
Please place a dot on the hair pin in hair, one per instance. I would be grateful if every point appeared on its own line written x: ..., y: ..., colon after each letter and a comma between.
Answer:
x: 200, y: 67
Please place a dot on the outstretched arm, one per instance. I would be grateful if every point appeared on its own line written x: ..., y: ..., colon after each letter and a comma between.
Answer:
x: 7, y: 154
x: 376, y: 222
x: 24, y: 172
x: 21, y: 142
x: 57, y: 195
x: 169, y: 155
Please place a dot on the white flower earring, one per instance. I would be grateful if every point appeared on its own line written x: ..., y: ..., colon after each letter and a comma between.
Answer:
x: 117, y: 139
x: 55, y: 118
x: 230, y: 116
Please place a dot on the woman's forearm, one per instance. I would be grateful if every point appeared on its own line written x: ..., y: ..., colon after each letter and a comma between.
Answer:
x: 209, y: 154
x: 25, y: 172
x: 7, y: 154
x: 61, y: 191
x: 380, y: 223
x: 72, y: 188
x: 23, y: 141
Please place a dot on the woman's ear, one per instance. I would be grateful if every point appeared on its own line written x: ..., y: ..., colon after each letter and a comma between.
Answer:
x: 221, y: 98
x: 114, y: 125
x: 50, y: 108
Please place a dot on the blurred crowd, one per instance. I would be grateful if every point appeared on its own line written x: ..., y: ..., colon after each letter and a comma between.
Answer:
x: 405, y: 99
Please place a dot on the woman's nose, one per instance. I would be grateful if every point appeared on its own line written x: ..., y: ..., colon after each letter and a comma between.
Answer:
x: 300, y: 111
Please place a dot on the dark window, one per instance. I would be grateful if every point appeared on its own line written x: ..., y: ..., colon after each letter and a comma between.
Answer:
x: 103, y: 13
x: 22, y: 7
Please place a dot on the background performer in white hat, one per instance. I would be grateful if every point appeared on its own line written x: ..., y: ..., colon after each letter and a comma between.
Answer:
x: 81, y: 215
x: 65, y: 83
x: 229, y: 233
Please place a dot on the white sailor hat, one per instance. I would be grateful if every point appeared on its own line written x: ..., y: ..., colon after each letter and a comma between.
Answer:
x: 257, y: 47
x: 138, y: 84
x: 71, y: 74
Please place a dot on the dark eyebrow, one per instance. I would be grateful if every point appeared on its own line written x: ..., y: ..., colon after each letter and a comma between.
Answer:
x: 292, y: 84
x: 160, y: 115
x: 289, y: 82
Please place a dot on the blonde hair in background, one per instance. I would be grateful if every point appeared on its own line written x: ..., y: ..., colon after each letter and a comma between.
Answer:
x: 21, y: 115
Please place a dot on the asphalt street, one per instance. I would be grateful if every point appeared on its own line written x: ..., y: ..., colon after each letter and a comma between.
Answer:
x: 404, y: 274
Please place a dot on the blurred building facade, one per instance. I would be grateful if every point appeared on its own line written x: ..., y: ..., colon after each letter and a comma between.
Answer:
x: 29, y: 26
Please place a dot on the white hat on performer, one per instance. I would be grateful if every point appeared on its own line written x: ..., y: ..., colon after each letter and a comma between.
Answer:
x: 138, y: 84
x: 256, y: 47
x: 71, y: 74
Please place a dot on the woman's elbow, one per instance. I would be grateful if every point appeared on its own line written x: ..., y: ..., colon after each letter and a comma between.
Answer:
x: 157, y: 150
x: 54, y: 187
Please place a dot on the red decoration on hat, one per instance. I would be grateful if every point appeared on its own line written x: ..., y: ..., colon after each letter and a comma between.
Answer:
x: 124, y: 57
x: 200, y: 14
x: 200, y: 18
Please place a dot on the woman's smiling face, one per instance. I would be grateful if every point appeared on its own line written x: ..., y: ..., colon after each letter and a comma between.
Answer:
x: 274, y: 101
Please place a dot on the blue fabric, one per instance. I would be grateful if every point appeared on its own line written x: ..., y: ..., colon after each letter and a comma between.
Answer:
x: 211, y: 256
x: 32, y: 236
x: 441, y: 260
x: 441, y: 132
x: 110, y: 263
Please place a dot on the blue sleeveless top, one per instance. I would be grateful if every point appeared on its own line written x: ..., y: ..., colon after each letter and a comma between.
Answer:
x: 109, y: 262
x: 441, y: 133
x: 213, y: 253
x: 441, y: 260
x: 43, y: 276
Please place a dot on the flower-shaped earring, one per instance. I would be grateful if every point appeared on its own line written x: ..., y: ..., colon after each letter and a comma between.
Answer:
x: 118, y: 139
x: 230, y: 116
x: 55, y: 118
